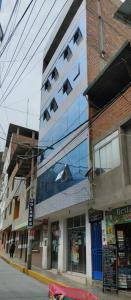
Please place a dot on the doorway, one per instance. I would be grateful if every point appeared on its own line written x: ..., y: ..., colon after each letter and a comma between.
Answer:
x: 54, y: 244
x: 96, y: 250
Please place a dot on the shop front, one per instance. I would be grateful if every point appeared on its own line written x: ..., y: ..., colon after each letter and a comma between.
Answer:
x: 118, y: 228
x: 76, y: 232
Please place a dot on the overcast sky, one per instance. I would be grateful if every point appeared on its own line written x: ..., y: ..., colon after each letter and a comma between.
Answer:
x: 30, y: 83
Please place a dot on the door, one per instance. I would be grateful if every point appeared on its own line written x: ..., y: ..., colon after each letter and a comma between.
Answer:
x: 54, y: 244
x: 76, y: 250
x: 96, y: 239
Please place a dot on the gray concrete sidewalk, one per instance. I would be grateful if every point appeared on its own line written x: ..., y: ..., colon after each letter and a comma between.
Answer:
x: 95, y: 289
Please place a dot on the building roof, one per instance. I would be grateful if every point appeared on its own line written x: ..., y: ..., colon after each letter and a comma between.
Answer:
x: 124, y: 13
x: 113, y: 80
x: 22, y: 131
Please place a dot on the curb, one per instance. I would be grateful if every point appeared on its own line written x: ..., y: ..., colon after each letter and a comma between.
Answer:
x: 36, y: 275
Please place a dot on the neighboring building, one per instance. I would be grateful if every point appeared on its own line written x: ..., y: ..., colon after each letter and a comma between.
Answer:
x: 110, y: 134
x: 83, y: 41
x: 16, y: 192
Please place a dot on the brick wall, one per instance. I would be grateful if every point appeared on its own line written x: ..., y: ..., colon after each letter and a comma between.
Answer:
x: 114, y: 34
x: 116, y: 114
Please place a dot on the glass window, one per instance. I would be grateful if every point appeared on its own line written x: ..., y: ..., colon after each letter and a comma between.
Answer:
x: 77, y: 36
x: 67, y: 53
x: 67, y: 88
x: 107, y: 156
x: 65, y: 173
x: 47, y: 85
x: 53, y: 105
x: 54, y: 74
x: 46, y: 115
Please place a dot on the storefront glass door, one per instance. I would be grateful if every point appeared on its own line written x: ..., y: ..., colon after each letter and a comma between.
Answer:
x: 54, y: 244
x: 76, y: 244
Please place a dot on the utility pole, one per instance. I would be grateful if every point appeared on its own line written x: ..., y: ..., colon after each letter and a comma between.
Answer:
x: 31, y: 212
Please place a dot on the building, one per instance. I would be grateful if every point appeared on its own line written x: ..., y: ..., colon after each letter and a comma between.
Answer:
x: 110, y: 148
x: 16, y: 187
x: 83, y: 42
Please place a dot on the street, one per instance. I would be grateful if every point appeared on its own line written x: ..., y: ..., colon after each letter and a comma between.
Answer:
x: 16, y: 286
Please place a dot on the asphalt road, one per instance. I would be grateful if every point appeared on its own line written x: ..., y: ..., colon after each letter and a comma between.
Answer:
x: 15, y: 285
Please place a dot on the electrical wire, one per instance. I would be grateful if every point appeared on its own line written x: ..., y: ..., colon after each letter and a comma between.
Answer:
x: 11, y: 29
x: 50, y: 27
x: 17, y: 45
x: 12, y: 13
x: 17, y: 25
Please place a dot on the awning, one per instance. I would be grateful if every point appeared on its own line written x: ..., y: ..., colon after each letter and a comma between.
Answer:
x: 113, y: 80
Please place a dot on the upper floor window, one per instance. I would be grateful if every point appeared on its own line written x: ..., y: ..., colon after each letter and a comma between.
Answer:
x: 77, y: 36
x: 53, y: 105
x: 54, y: 74
x: 67, y: 53
x: 67, y: 88
x: 47, y: 85
x: 46, y: 115
x: 107, y: 154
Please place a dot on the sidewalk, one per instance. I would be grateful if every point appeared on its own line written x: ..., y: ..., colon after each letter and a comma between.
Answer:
x: 49, y: 277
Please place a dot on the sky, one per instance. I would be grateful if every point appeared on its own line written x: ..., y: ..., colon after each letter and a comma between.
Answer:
x: 25, y: 97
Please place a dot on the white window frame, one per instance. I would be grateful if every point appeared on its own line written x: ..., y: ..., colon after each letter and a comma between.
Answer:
x: 99, y: 146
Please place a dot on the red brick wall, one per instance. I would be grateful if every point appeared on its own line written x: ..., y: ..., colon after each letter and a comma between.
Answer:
x: 114, y: 32
x: 113, y: 116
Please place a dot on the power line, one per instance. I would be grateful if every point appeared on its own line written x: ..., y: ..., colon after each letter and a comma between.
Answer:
x: 14, y: 8
x: 13, y: 24
x: 34, y: 51
x: 17, y: 25
x: 10, y: 64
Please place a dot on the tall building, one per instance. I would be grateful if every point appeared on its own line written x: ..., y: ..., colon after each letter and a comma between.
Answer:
x: 16, y: 185
x: 83, y: 42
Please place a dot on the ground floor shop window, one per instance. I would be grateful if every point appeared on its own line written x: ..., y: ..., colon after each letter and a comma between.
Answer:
x: 123, y: 239
x: 76, y: 244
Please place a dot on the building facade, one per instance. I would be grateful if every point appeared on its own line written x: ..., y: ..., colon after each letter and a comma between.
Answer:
x: 16, y: 188
x: 83, y: 42
x: 110, y: 150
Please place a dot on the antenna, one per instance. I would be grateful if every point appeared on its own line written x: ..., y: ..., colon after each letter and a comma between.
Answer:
x: 27, y: 113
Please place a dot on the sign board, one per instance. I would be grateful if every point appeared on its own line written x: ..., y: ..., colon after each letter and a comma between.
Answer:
x: 110, y: 277
x: 31, y: 213
x: 95, y: 215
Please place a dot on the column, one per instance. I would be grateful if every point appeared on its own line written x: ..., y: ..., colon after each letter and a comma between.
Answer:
x: 88, y: 251
x: 62, y: 252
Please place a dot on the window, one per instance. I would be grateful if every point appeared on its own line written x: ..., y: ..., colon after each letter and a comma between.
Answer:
x: 5, y: 214
x: 53, y: 105
x: 77, y: 36
x: 107, y: 155
x: 54, y: 74
x: 13, y: 182
x: 46, y: 115
x: 67, y: 53
x: 67, y: 88
x: 10, y: 208
x: 47, y: 85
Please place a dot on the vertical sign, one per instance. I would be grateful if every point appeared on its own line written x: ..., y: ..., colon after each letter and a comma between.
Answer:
x: 31, y: 213
x: 110, y: 278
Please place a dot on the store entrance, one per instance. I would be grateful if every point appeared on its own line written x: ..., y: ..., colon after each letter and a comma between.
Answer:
x: 54, y: 244
x: 76, y: 244
x: 123, y: 238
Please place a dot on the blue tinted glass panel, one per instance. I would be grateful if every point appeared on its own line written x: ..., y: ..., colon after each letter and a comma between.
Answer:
x: 70, y: 170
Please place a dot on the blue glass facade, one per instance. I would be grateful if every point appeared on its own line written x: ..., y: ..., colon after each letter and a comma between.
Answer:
x: 70, y: 170
x: 71, y: 119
